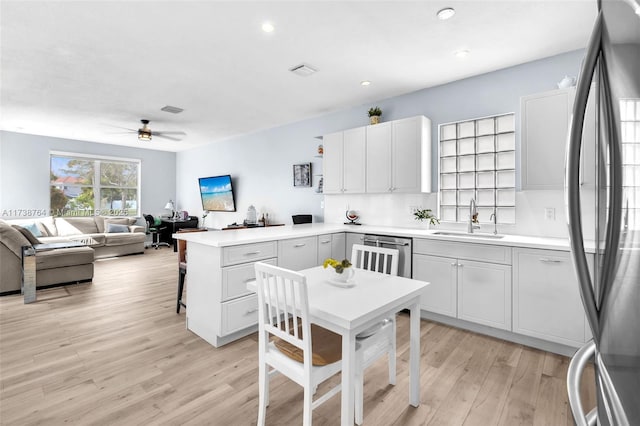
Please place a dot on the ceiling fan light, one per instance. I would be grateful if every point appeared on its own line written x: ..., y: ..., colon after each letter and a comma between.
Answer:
x: 144, y: 135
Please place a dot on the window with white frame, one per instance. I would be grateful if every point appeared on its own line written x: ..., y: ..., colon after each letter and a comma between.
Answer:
x: 89, y: 185
x: 477, y: 161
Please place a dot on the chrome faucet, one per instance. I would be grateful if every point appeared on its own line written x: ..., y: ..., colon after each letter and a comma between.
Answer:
x: 473, y: 217
x: 495, y: 222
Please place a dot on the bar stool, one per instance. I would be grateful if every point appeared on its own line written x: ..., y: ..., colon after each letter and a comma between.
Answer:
x: 182, y: 265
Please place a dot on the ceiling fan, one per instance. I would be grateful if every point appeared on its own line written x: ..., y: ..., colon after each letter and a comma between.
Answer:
x: 146, y: 134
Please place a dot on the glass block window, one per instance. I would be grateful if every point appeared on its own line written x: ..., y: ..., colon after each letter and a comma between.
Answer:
x: 477, y: 160
x: 630, y: 117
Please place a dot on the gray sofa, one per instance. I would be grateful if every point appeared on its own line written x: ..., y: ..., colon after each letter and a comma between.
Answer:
x: 102, y: 236
x: 108, y: 236
x: 58, y: 266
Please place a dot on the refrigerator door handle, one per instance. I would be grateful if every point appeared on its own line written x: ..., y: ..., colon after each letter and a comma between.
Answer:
x: 572, y: 176
x: 574, y: 375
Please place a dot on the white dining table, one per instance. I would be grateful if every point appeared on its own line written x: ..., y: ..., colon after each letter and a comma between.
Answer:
x: 350, y: 310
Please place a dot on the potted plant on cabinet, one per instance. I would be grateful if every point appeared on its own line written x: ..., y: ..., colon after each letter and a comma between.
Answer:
x: 374, y: 115
x: 426, y: 214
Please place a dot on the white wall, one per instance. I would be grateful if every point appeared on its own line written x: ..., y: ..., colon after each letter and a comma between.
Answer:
x: 261, y: 162
x: 24, y: 171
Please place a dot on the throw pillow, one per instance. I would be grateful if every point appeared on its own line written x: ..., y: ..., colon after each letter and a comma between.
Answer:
x: 27, y: 234
x: 114, y: 228
x: 33, y: 228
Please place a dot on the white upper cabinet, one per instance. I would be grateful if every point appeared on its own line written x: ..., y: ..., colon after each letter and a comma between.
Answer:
x: 399, y: 156
x: 389, y: 157
x: 545, y: 119
x: 344, y: 161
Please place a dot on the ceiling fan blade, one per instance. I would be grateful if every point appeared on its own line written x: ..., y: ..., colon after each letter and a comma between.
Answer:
x: 168, y: 133
x: 123, y: 128
x: 160, y: 135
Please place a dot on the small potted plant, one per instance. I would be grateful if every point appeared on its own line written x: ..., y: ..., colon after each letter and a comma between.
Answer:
x: 342, y: 271
x: 426, y: 214
x: 374, y: 115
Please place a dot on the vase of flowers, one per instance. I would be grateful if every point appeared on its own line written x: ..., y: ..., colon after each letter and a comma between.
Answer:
x: 340, y: 270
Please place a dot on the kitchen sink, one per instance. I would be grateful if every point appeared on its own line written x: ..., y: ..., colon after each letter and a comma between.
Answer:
x: 466, y: 234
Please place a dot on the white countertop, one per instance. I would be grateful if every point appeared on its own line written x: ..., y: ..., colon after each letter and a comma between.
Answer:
x: 257, y: 235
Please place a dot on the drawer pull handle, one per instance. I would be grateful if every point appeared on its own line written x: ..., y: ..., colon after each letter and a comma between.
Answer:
x: 252, y: 253
x: 299, y: 245
x: 325, y: 242
x: 454, y: 264
x: 545, y: 260
x: 250, y: 311
x: 460, y: 265
x: 248, y: 280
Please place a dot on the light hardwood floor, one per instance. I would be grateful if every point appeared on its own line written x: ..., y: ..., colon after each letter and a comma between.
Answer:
x: 114, y: 352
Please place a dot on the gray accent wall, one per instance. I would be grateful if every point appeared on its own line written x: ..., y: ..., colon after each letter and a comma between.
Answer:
x: 24, y: 171
x: 261, y: 163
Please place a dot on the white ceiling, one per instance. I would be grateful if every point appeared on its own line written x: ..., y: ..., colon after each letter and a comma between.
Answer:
x: 84, y: 69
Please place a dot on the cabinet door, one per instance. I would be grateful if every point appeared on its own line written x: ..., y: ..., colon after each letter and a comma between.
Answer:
x: 351, y: 239
x: 406, y: 155
x: 324, y: 248
x: 484, y: 293
x: 379, y: 158
x: 354, y: 161
x: 332, y: 164
x: 298, y: 253
x: 440, y: 294
x: 546, y: 297
x: 545, y: 121
x: 338, y: 244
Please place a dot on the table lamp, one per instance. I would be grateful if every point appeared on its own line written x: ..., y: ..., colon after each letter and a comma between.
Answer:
x: 170, y: 206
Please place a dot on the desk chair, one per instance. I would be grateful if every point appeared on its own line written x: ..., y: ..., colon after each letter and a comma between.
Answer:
x: 380, y: 339
x: 301, y: 218
x: 154, y: 230
x: 182, y: 264
x: 306, y: 353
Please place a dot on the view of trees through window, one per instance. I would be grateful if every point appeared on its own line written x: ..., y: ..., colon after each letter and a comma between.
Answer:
x: 82, y: 186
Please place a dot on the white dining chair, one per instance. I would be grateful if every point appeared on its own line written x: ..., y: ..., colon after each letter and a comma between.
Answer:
x: 306, y: 353
x: 379, y: 339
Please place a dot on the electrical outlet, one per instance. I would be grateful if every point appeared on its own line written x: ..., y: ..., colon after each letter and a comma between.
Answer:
x: 549, y: 213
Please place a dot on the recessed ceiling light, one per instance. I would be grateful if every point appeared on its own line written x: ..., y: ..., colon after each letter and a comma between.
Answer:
x: 365, y: 83
x: 268, y: 27
x: 446, y: 13
x: 461, y: 53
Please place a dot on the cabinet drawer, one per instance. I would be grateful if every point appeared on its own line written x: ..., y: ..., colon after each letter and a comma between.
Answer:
x: 235, y: 278
x: 239, y: 314
x: 248, y: 252
x: 471, y: 251
x: 298, y: 253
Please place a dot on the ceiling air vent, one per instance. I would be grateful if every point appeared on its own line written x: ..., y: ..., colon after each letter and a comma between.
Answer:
x: 171, y: 109
x: 302, y: 70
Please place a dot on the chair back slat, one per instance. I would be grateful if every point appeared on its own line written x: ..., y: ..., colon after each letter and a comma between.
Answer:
x: 378, y: 259
x: 283, y: 305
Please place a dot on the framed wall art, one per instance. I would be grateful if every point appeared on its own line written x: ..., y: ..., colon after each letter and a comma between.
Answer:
x: 302, y: 175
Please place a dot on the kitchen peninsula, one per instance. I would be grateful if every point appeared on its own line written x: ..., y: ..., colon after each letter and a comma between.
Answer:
x: 492, y: 294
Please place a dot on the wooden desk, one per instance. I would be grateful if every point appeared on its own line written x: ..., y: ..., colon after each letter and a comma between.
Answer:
x: 174, y: 225
x: 349, y: 311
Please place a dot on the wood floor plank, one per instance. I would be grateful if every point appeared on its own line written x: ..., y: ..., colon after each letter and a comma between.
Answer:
x: 115, y: 352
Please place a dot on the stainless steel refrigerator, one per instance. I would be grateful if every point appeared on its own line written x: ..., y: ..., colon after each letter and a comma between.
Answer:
x: 611, y: 296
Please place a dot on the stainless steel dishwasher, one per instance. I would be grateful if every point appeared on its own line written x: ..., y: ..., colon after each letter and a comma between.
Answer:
x: 403, y: 245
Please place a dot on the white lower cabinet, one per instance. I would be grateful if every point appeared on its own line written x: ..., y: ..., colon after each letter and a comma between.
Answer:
x: 298, y: 253
x: 474, y: 286
x: 440, y: 296
x: 484, y: 293
x: 546, y: 297
x: 331, y: 245
x: 220, y: 309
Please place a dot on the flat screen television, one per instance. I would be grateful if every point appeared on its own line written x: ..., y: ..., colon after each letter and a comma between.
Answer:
x: 217, y: 194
